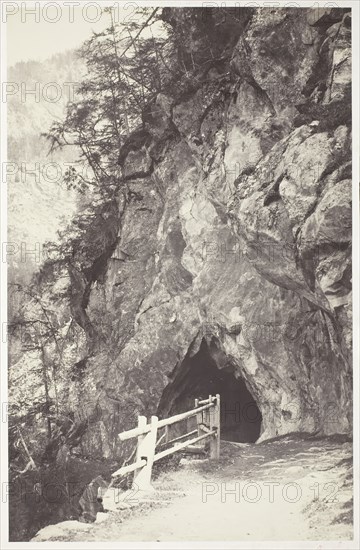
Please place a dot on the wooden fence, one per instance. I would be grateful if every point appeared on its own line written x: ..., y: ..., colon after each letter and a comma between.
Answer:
x: 207, y: 414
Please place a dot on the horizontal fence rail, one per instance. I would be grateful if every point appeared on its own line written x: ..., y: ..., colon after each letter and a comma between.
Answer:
x: 207, y: 413
x: 179, y: 438
x: 128, y: 469
x: 180, y: 446
x: 166, y: 422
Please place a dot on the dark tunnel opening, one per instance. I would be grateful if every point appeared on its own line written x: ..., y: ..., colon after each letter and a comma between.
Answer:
x: 199, y: 376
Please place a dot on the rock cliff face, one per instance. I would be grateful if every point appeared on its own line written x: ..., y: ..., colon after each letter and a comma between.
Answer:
x: 236, y: 233
x: 225, y: 262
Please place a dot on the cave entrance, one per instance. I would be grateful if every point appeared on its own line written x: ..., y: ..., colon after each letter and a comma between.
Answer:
x: 199, y: 376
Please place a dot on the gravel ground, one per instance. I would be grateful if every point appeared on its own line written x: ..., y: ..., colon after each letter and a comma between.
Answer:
x: 293, y: 488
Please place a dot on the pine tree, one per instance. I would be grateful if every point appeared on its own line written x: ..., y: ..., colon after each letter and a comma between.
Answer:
x: 124, y: 73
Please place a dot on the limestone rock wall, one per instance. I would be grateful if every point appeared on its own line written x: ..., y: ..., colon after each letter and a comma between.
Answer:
x: 237, y: 229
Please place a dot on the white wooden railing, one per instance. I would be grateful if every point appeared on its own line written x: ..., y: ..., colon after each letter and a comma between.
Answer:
x: 207, y: 414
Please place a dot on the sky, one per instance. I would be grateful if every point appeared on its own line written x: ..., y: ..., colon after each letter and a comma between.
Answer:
x: 38, y: 32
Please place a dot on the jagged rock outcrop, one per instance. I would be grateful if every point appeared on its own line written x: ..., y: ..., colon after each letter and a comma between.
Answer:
x: 228, y: 246
x: 237, y: 229
x: 232, y: 233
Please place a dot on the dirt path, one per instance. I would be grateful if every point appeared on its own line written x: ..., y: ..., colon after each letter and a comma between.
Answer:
x: 291, y: 489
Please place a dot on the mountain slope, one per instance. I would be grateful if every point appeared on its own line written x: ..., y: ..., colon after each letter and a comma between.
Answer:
x: 38, y: 202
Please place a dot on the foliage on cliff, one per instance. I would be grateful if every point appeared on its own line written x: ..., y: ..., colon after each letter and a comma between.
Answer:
x: 217, y: 210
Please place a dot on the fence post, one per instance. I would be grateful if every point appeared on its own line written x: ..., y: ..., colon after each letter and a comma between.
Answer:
x: 207, y: 414
x: 145, y: 451
x: 215, y: 425
x: 199, y: 417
